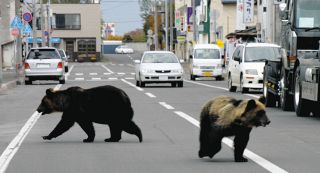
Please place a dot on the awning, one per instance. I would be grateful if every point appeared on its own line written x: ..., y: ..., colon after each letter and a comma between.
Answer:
x: 39, y: 40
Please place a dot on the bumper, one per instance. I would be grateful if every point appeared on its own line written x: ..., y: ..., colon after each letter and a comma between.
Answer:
x: 207, y: 73
x: 253, y: 81
x: 163, y: 78
x: 44, y: 74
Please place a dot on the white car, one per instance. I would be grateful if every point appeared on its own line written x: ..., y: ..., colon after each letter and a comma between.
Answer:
x: 44, y: 63
x: 159, y: 67
x: 123, y: 49
x: 245, y: 69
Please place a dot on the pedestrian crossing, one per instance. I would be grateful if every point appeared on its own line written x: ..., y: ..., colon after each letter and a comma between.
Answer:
x: 100, y: 76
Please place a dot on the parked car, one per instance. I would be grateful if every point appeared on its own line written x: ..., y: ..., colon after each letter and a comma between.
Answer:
x: 159, y: 67
x: 65, y: 58
x: 123, y: 49
x: 44, y: 63
x: 206, y: 61
x: 245, y: 69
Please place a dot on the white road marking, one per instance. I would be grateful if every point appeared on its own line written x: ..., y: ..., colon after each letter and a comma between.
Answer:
x: 79, y: 74
x: 150, y: 95
x: 67, y: 74
x: 129, y: 78
x: 96, y: 78
x: 133, y: 73
x: 79, y: 78
x: 93, y: 74
x: 249, y: 154
x: 107, y: 69
x: 164, y: 104
x: 131, y: 84
x: 107, y: 73
x: 113, y: 78
x: 130, y: 65
x: 15, y: 144
x: 121, y: 73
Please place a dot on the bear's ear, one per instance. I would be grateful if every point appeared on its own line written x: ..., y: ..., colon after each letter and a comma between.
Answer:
x: 251, y: 105
x: 49, y: 92
x: 263, y: 100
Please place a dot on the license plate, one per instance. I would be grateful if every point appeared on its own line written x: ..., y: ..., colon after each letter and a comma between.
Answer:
x: 163, y: 77
x: 43, y: 65
x: 207, y: 73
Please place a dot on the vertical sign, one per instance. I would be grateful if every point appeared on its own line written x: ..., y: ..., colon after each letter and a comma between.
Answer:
x: 248, y: 11
x: 178, y: 21
x: 189, y: 15
x: 239, y: 23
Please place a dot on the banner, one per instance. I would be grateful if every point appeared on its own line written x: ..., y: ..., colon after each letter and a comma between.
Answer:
x: 248, y: 11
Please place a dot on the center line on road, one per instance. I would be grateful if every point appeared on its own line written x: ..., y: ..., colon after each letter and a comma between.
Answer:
x: 93, y: 74
x: 164, y: 104
x: 131, y: 84
x: 107, y: 69
x: 79, y: 74
x: 15, y: 144
x: 249, y: 154
x: 150, y: 95
x: 67, y: 74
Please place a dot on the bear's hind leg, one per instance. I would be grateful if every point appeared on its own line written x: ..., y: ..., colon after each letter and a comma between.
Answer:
x: 132, y: 128
x: 115, y: 132
x: 240, y: 143
x: 88, y: 128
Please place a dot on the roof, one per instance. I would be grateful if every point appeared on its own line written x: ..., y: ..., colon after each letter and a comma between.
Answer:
x: 158, y: 52
x: 260, y: 45
x: 206, y: 46
x: 43, y: 48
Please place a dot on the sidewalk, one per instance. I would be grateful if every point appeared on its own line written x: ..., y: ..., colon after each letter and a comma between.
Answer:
x: 9, y: 79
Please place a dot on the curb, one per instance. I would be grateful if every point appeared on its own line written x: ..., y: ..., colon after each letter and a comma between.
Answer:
x: 8, y: 85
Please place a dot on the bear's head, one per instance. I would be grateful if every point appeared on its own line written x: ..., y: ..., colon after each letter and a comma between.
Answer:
x: 54, y: 101
x: 254, y: 114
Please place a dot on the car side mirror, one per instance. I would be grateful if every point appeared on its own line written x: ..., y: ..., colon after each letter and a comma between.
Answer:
x: 137, y: 61
x: 237, y: 58
x: 190, y: 56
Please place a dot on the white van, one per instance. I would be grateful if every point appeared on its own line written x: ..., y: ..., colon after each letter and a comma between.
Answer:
x: 206, y: 61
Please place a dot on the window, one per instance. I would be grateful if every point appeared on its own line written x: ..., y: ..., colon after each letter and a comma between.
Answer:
x: 87, y: 46
x: 67, y: 22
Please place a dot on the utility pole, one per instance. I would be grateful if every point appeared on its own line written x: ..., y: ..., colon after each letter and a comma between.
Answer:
x: 194, y: 21
x: 166, y: 23
x: 34, y: 22
x: 42, y: 24
x: 49, y: 23
x: 171, y: 24
x: 155, y: 25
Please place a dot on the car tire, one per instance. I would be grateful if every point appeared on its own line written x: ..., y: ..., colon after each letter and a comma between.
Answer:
x: 137, y: 83
x: 66, y: 69
x: 27, y: 82
x: 230, y: 87
x: 285, y: 98
x: 302, y: 107
x: 243, y: 89
x: 142, y: 84
x: 180, y: 84
x: 173, y: 84
x: 192, y: 77
x: 62, y: 81
x: 270, y: 98
x: 219, y: 78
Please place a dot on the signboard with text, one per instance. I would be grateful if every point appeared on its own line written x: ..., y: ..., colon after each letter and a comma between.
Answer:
x: 248, y: 11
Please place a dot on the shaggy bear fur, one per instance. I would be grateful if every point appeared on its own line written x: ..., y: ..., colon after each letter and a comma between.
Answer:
x: 104, y: 105
x: 225, y: 116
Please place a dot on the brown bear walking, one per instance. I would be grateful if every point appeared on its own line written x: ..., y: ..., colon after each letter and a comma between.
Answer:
x: 225, y: 116
x: 104, y: 105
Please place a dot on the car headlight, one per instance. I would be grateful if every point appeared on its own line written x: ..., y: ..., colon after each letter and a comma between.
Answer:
x: 251, y: 71
x: 147, y: 71
x: 177, y: 71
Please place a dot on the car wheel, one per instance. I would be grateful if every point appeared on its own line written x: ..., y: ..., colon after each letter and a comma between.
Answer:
x: 230, y: 87
x: 142, y: 84
x: 137, y: 83
x: 27, y: 82
x: 270, y: 98
x: 301, y: 105
x: 66, y: 69
x: 285, y: 98
x: 180, y: 84
x: 62, y: 81
x: 243, y: 89
x: 173, y: 84
x: 219, y: 78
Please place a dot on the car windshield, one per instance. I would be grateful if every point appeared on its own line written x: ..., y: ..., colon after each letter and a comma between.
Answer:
x: 62, y: 54
x: 207, y: 54
x: 43, y: 54
x: 159, y: 58
x: 260, y: 54
x: 307, y: 14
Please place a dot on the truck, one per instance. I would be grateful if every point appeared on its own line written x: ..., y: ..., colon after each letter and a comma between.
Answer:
x: 292, y: 81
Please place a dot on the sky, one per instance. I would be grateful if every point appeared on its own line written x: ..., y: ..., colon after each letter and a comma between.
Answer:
x: 124, y: 13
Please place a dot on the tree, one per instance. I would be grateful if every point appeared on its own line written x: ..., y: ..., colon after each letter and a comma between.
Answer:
x: 136, y: 36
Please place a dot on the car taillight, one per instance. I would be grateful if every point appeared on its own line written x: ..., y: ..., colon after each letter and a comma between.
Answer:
x: 60, y: 65
x: 26, y: 66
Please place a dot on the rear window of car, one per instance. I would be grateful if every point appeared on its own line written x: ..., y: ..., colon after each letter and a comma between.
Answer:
x: 207, y: 54
x: 43, y: 54
x: 159, y: 58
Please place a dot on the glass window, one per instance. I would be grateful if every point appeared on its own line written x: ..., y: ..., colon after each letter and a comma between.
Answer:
x: 43, y: 54
x: 159, y: 58
x: 67, y: 21
x: 260, y: 54
x: 207, y: 54
x: 307, y: 13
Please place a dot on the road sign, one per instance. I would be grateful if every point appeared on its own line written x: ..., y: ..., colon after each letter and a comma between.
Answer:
x: 27, y: 17
x: 16, y: 23
x: 15, y: 32
x: 26, y: 29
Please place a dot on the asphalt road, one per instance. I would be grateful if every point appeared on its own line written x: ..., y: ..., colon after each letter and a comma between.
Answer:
x: 168, y: 119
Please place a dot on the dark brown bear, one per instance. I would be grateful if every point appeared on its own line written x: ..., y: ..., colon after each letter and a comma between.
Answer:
x: 225, y: 116
x: 104, y: 105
